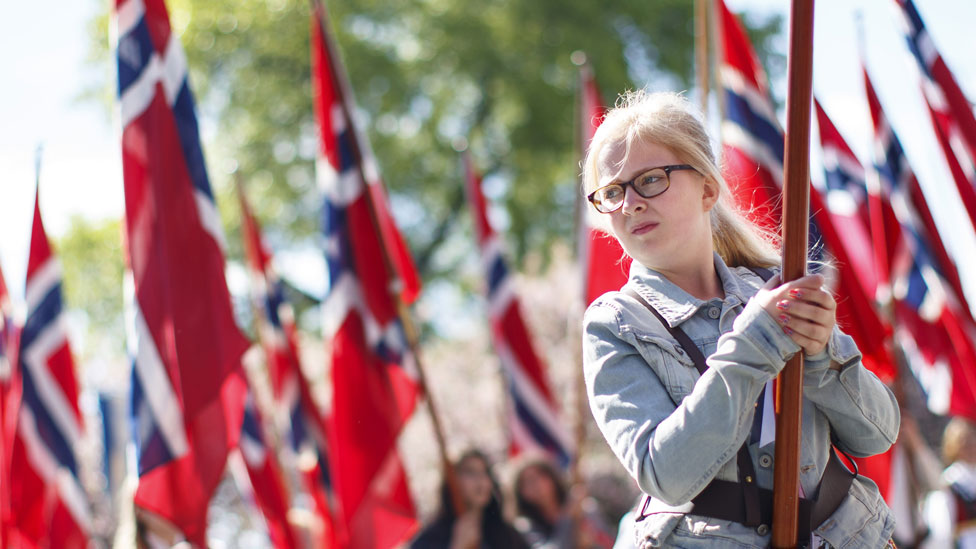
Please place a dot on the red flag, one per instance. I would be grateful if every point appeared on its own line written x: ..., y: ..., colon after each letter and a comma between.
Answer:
x: 951, y: 112
x: 7, y: 360
x: 929, y: 311
x: 264, y: 474
x: 604, y: 264
x: 187, y: 389
x: 51, y: 504
x: 753, y: 148
x: 276, y: 329
x: 373, y: 378
x: 534, y: 421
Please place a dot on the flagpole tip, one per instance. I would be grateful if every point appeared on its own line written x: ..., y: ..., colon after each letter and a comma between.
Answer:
x: 578, y: 58
x: 460, y: 144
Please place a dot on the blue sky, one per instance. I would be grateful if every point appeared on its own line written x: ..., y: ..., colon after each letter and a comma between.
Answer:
x: 45, y: 69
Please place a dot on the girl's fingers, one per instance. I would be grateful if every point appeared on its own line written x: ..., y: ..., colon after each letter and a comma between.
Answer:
x: 806, y: 311
x: 811, y: 336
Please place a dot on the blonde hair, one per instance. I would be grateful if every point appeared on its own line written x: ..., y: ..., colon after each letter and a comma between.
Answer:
x: 955, y: 437
x: 669, y: 120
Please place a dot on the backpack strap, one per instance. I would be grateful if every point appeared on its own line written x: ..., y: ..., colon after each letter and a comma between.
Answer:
x: 757, y: 503
x: 748, y: 481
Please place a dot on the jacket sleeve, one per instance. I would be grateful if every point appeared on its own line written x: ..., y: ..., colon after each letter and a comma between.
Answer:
x: 862, y: 411
x: 673, y: 451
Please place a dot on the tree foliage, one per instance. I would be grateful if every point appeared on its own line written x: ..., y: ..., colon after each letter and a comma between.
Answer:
x: 429, y: 75
x: 91, y: 259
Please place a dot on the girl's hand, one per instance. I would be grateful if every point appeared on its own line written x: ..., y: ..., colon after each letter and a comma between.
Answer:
x: 803, y: 308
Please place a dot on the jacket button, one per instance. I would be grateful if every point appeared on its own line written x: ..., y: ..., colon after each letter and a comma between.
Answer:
x: 765, y: 460
x: 713, y: 312
x: 762, y: 529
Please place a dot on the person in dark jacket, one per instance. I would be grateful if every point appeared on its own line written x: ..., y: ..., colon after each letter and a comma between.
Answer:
x: 481, y: 525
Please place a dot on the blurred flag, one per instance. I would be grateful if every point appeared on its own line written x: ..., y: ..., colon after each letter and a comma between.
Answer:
x: 603, y: 263
x: 277, y: 333
x: 187, y: 385
x: 373, y: 373
x: 264, y: 475
x: 533, y: 416
x: 753, y: 155
x: 50, y: 507
x: 951, y: 112
x: 929, y: 313
x: 848, y: 197
x: 7, y: 359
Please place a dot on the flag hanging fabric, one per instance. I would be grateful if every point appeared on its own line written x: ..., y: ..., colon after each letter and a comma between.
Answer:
x: 264, y: 473
x: 278, y: 336
x: 51, y: 506
x: 845, y: 190
x: 603, y: 263
x: 187, y: 390
x: 7, y: 359
x: 373, y: 374
x: 753, y: 149
x: 533, y: 415
x: 950, y: 110
x: 929, y: 312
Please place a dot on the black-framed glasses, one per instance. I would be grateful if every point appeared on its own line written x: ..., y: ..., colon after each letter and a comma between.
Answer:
x: 648, y: 184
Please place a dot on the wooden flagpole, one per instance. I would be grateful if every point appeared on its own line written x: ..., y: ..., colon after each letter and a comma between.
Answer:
x: 701, y: 52
x: 409, y: 328
x: 796, y: 214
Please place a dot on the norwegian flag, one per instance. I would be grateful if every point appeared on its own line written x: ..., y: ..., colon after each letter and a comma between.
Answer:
x: 951, y: 112
x: 373, y: 374
x: 265, y: 478
x: 7, y: 347
x: 187, y: 391
x: 603, y: 263
x: 277, y: 333
x: 848, y: 196
x: 533, y: 415
x: 51, y: 507
x: 928, y: 308
x: 753, y: 148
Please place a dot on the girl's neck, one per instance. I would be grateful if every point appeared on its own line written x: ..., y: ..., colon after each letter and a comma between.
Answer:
x: 699, y: 278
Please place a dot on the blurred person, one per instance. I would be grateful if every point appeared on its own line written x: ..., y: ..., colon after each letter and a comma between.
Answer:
x: 481, y: 525
x: 678, y: 362
x: 950, y: 513
x: 552, y: 517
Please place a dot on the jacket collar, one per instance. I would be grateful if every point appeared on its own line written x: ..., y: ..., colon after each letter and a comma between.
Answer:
x: 675, y: 304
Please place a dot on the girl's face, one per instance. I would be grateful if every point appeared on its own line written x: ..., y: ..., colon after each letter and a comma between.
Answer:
x: 474, y: 482
x: 536, y: 487
x: 664, y: 231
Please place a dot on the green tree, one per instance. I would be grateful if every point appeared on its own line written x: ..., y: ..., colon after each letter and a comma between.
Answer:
x: 428, y: 75
x: 91, y: 260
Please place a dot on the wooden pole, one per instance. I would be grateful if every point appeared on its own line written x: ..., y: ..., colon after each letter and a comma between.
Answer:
x: 701, y: 52
x: 796, y: 214
x: 457, y: 503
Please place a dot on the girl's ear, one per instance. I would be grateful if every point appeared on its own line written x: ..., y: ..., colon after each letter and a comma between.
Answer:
x: 710, y: 194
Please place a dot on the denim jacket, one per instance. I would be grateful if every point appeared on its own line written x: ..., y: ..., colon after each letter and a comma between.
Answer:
x: 674, y: 431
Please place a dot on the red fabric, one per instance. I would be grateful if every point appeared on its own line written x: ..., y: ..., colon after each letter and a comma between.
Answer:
x: 37, y: 513
x: 366, y: 420
x: 272, y: 498
x: 756, y: 192
x: 188, y: 310
x: 329, y: 101
x: 372, y: 397
x: 181, y: 290
x: 180, y: 490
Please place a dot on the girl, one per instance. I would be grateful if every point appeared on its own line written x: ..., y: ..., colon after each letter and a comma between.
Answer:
x: 697, y: 433
x: 481, y: 525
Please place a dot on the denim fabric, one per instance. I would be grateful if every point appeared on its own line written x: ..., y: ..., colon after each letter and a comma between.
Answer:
x: 674, y: 431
